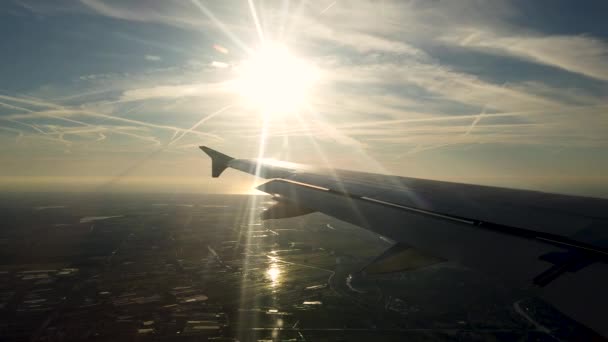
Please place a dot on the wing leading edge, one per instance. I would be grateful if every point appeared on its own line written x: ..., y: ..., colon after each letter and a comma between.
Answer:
x: 523, y: 237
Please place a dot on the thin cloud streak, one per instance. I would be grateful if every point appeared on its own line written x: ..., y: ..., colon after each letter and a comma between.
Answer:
x: 580, y: 54
x: 200, y: 122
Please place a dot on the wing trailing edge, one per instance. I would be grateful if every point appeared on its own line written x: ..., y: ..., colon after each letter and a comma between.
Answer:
x: 285, y: 209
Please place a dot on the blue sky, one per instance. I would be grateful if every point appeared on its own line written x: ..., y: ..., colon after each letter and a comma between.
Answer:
x: 116, y: 96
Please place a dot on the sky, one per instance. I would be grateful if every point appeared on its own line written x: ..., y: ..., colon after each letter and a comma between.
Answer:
x: 100, y: 95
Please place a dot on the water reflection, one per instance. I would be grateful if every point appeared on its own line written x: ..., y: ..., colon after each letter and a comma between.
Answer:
x: 273, y: 273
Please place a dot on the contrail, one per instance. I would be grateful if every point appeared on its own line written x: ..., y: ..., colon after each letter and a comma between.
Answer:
x: 477, y: 119
x: 328, y: 7
x: 203, y: 120
x: 15, y: 107
x: 35, y: 102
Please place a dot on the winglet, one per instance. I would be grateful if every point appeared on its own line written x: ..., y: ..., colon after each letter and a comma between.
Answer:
x: 219, y: 161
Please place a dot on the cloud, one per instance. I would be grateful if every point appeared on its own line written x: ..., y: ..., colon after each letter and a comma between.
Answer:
x: 360, y: 42
x: 153, y: 11
x: 152, y: 58
x: 174, y: 91
x: 581, y: 54
x: 219, y: 65
x: 445, y: 83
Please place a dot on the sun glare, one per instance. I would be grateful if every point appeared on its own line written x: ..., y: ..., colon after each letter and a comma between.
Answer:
x: 275, y: 81
x: 273, y: 273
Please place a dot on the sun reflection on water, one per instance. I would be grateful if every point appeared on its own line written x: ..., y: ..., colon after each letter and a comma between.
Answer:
x: 273, y: 273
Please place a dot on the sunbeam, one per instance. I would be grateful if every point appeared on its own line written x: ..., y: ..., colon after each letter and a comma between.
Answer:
x: 221, y: 26
x: 256, y: 20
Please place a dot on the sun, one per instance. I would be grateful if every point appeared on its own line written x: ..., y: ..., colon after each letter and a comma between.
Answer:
x: 275, y: 81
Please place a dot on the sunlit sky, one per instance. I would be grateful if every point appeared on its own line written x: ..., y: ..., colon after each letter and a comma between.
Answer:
x: 99, y: 95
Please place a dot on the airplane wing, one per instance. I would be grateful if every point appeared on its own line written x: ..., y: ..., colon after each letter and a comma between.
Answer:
x: 526, y: 238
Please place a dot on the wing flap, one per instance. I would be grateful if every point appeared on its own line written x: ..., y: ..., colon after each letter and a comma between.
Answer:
x: 397, y: 258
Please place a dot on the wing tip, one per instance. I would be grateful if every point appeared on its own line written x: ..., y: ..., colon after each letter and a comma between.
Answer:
x: 219, y: 161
